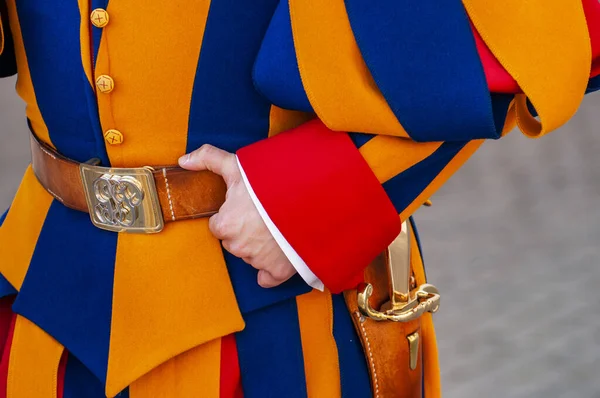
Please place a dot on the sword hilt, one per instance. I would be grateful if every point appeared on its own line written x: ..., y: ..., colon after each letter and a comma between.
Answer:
x: 405, y: 304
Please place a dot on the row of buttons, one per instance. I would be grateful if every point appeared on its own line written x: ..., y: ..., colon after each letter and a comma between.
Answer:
x: 104, y: 83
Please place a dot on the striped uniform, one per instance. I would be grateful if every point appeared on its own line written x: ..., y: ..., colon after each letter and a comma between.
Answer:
x: 90, y: 313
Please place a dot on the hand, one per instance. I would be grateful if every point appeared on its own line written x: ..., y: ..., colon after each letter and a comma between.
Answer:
x: 238, y: 223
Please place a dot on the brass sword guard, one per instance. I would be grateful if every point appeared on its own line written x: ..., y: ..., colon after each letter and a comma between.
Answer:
x: 405, y: 304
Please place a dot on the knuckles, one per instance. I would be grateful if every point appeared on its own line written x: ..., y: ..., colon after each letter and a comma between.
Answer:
x: 201, y: 153
x: 240, y: 249
x: 280, y: 274
x: 218, y: 227
x: 224, y: 225
x: 205, y: 149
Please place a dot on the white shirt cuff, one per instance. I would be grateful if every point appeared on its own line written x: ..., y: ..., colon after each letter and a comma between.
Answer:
x: 299, y: 264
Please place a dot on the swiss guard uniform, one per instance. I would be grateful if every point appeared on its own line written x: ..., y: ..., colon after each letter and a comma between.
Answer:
x: 346, y: 116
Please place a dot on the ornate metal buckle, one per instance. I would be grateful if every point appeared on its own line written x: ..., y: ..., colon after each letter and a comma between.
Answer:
x: 405, y: 304
x: 122, y: 200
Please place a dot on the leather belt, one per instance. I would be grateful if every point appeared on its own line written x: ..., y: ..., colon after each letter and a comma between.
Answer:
x: 127, y: 199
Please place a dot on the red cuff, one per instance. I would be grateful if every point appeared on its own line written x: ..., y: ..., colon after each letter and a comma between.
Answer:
x: 325, y: 200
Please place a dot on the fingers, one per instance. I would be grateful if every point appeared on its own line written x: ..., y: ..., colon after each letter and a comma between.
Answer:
x: 273, y: 268
x: 211, y: 158
x: 267, y: 280
x: 240, y: 250
x: 238, y: 224
x: 231, y: 222
x: 217, y: 227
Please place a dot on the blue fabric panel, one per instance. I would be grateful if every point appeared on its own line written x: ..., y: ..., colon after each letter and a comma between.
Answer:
x: 354, y: 374
x: 250, y: 295
x: 8, y: 62
x: 68, y: 288
x: 92, y: 108
x: 413, y: 224
x: 223, y: 84
x: 500, y: 105
x: 276, y: 73
x: 270, y: 353
x: 52, y: 41
x: 531, y: 108
x: 80, y: 382
x: 593, y: 85
x: 439, y: 94
x: 6, y: 289
x: 406, y: 186
x: 361, y: 139
x: 97, y: 32
x: 3, y: 217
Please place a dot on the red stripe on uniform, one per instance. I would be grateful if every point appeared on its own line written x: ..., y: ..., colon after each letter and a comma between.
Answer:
x: 6, y: 316
x: 325, y: 200
x: 231, y: 384
x: 498, y: 79
x: 592, y: 15
x: 62, y: 370
x: 6, y: 357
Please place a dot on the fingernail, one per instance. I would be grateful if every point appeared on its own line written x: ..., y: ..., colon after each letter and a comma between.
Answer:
x: 184, y: 159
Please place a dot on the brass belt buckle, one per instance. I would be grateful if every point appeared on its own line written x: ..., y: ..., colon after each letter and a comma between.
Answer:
x: 121, y: 199
x: 404, y: 305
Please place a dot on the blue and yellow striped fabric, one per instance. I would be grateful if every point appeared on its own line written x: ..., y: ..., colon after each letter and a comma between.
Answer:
x: 130, y: 309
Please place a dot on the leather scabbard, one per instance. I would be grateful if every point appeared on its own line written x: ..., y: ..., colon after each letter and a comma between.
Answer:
x: 386, y: 344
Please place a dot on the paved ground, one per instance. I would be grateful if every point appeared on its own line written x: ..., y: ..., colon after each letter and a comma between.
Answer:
x: 512, y: 242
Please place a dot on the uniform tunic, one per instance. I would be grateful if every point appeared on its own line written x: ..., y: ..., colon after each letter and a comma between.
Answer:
x: 401, y: 93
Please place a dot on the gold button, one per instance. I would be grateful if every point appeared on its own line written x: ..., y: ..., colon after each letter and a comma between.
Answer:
x: 99, y: 18
x: 105, y: 84
x: 113, y: 137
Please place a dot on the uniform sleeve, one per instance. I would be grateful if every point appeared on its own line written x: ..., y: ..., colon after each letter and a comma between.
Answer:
x: 8, y: 65
x: 404, y: 93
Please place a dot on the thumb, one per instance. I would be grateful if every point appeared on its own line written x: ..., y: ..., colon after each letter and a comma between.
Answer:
x: 211, y: 158
x: 266, y: 280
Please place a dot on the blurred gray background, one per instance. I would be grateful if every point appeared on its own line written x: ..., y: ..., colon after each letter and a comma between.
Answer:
x: 512, y: 242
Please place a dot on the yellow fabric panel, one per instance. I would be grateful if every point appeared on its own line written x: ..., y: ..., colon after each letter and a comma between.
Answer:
x: 431, y: 366
x: 33, y: 364
x: 105, y: 104
x: 24, y: 83
x: 335, y: 77
x: 21, y: 228
x: 163, y: 307
x: 85, y: 39
x: 152, y: 114
x: 545, y: 46
x: 453, y: 166
x: 195, y: 373
x: 321, y: 367
x: 431, y: 371
x: 282, y: 119
x: 389, y: 156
